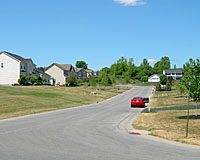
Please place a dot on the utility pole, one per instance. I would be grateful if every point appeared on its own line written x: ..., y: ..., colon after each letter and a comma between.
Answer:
x: 188, y: 110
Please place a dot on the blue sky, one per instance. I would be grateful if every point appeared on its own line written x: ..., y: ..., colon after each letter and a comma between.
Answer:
x: 100, y: 31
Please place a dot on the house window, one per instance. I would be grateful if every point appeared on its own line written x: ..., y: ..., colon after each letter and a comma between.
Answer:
x: 1, y: 65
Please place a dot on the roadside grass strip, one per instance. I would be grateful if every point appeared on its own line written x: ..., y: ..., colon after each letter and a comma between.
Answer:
x: 24, y: 100
x: 168, y: 121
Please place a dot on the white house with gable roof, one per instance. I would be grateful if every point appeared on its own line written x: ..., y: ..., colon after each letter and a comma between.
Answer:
x: 12, y: 66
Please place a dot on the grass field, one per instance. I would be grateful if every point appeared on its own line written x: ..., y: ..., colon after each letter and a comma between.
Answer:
x: 172, y: 98
x: 19, y: 101
x: 170, y: 124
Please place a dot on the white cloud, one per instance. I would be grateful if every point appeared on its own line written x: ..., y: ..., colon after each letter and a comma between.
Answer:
x: 151, y: 60
x: 131, y: 2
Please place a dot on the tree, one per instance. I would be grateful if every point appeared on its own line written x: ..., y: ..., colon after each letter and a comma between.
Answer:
x: 163, y: 79
x: 81, y: 64
x: 71, y: 79
x: 106, y: 81
x: 161, y: 65
x: 144, y: 79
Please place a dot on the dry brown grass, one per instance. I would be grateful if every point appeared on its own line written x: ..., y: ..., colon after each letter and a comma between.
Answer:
x: 170, y: 124
x: 168, y: 99
x: 19, y: 101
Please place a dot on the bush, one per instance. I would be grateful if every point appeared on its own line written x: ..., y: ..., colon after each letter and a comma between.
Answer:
x: 92, y: 81
x: 168, y: 87
x: 163, y: 79
x: 71, y: 80
x: 32, y: 79
x: 158, y: 87
x: 22, y: 79
x: 79, y: 82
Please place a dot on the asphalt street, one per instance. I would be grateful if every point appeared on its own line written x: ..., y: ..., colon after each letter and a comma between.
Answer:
x: 85, y: 133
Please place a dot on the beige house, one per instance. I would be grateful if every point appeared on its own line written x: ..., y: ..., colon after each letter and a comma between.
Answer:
x: 59, y: 72
x: 91, y: 73
x: 81, y: 73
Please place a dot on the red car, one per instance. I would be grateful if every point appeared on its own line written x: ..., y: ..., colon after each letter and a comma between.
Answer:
x: 139, y: 101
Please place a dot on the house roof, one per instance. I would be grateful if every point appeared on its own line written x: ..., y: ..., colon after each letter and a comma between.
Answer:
x: 173, y: 71
x: 19, y: 58
x: 64, y: 67
x: 41, y: 72
x: 89, y: 70
x: 78, y: 69
x: 155, y: 75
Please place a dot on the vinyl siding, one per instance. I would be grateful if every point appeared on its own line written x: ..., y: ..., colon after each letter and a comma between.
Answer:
x: 10, y: 72
x: 56, y: 73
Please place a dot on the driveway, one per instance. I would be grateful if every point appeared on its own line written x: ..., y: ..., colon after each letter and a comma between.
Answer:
x: 85, y: 133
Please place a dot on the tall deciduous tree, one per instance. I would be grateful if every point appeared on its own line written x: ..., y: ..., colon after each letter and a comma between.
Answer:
x: 161, y: 65
x: 81, y: 64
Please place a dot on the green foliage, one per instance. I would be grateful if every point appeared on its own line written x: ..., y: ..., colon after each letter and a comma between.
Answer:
x: 168, y: 87
x: 161, y: 65
x: 158, y: 87
x: 92, y: 81
x: 81, y: 64
x: 79, y: 82
x: 163, y: 79
x: 71, y: 80
x: 105, y: 80
x: 144, y: 78
x: 180, y: 87
x: 32, y: 79
x: 193, y: 76
x: 22, y: 79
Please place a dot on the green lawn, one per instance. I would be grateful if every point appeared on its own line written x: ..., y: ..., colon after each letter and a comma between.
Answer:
x: 24, y: 100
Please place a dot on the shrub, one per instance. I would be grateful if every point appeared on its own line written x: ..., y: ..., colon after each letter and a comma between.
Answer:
x: 168, y: 87
x: 22, y: 79
x: 158, y: 87
x: 163, y: 79
x: 92, y: 81
x: 71, y: 80
x: 32, y: 79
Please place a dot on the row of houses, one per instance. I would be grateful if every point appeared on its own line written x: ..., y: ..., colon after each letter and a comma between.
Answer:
x: 175, y: 74
x: 12, y: 66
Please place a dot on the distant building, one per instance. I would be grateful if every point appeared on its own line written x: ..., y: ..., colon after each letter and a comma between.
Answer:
x: 81, y: 73
x: 59, y: 72
x: 155, y: 78
x: 176, y: 74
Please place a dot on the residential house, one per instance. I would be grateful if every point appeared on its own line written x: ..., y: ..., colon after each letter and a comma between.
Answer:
x: 48, y: 79
x: 81, y: 73
x: 155, y: 78
x: 89, y: 73
x: 59, y: 72
x: 12, y: 66
x: 176, y: 74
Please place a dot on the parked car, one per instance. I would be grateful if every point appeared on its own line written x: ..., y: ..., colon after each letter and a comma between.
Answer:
x: 139, y: 101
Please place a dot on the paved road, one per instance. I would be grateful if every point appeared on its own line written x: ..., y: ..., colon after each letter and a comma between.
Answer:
x: 85, y: 133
